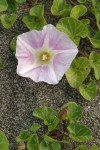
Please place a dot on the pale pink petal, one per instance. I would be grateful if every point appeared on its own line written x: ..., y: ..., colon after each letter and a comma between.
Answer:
x: 58, y: 40
x: 62, y: 62
x: 33, y: 74
x: 42, y: 73
x: 33, y: 38
x: 24, y: 56
x: 48, y: 75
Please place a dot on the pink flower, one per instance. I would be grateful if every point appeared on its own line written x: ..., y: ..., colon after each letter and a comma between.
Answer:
x: 44, y: 55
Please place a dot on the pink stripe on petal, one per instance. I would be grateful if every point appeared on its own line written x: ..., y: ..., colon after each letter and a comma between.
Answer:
x: 48, y: 75
x: 57, y: 39
x: 34, y: 38
x: 33, y: 74
x: 62, y: 62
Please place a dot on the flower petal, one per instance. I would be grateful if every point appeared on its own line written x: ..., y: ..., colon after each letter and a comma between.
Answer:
x: 41, y: 73
x: 62, y: 62
x: 57, y: 40
x: 48, y: 75
x: 33, y: 38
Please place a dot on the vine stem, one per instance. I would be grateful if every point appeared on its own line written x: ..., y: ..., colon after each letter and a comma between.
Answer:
x: 33, y: 3
x: 48, y: 14
x: 72, y: 2
x: 36, y: 1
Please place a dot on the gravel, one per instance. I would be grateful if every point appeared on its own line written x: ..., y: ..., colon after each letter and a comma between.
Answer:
x: 20, y: 96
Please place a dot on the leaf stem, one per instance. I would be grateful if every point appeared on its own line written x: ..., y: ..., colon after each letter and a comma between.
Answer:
x: 72, y: 2
x: 36, y: 1
x: 48, y: 14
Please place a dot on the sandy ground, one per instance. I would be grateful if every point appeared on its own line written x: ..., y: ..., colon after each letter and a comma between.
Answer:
x: 19, y: 96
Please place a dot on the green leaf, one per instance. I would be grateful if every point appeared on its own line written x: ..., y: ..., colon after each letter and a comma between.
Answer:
x: 3, y: 5
x: 12, y: 5
x: 94, y: 147
x: 95, y: 64
x: 1, y: 65
x: 78, y: 71
x: 96, y: 40
x: 55, y: 146
x: 13, y: 44
x: 23, y: 136
x: 37, y: 11
x: 8, y: 20
x: 98, y: 20
x: 78, y: 11
x: 54, y: 143
x: 82, y: 1
x: 79, y: 133
x: 88, y: 91
x: 4, y: 143
x: 48, y: 139
x: 73, y: 28
x: 49, y: 146
x: 33, y: 22
x: 96, y: 11
x: 33, y: 143
x: 85, y: 21
x: 20, y: 1
x: 44, y: 146
x: 48, y: 116
x: 74, y: 112
x: 35, y: 127
x: 82, y: 147
x: 60, y: 8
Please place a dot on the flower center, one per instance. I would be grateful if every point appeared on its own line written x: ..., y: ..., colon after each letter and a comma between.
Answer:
x: 45, y: 56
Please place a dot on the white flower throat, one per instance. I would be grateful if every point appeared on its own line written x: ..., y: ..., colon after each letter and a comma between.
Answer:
x: 44, y: 56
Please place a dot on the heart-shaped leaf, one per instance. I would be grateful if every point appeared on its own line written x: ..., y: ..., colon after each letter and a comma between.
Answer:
x: 33, y: 22
x: 73, y: 28
x: 12, y: 5
x: 88, y: 91
x: 94, y: 147
x: 35, y: 127
x: 33, y: 143
x: 8, y: 20
x: 3, y: 5
x: 95, y: 64
x: 48, y: 116
x: 78, y: 11
x: 13, y: 44
x: 85, y: 21
x: 60, y: 8
x: 79, y: 133
x: 74, y: 112
x: 78, y: 71
x: 96, y: 11
x: 23, y: 136
x: 37, y: 11
x: 44, y: 146
x: 4, y: 143
x: 54, y: 144
x: 82, y: 147
x: 20, y: 1
x: 96, y: 40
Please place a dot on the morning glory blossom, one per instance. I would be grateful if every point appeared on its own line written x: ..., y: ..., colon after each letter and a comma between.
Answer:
x: 44, y: 55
